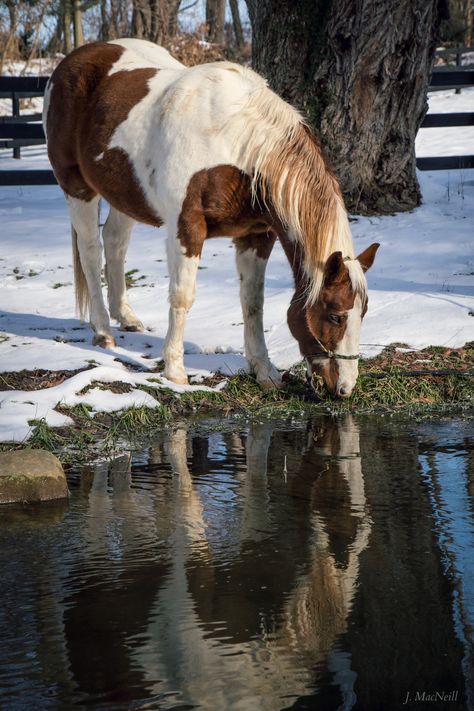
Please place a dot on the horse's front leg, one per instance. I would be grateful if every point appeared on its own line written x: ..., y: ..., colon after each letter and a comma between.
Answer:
x: 252, y: 254
x: 184, y: 248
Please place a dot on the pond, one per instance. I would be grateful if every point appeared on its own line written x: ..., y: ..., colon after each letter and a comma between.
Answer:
x: 312, y: 564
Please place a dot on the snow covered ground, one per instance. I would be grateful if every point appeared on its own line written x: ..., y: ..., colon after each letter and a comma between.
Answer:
x: 421, y: 288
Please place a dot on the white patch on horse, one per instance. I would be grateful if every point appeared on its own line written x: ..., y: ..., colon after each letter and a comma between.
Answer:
x: 99, y: 157
x: 46, y: 103
x: 182, y: 290
x: 158, y: 128
x: 357, y: 277
x: 140, y: 54
x: 84, y: 219
x: 116, y: 237
x: 349, y: 345
x: 251, y: 270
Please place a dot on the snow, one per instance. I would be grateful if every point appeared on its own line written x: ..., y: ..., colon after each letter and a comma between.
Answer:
x: 456, y: 141
x: 421, y: 290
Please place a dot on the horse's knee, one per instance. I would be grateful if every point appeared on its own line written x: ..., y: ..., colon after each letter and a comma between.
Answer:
x: 181, y: 300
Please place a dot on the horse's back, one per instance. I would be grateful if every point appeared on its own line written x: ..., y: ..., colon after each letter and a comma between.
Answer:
x: 144, y: 53
x: 91, y: 92
x: 127, y: 121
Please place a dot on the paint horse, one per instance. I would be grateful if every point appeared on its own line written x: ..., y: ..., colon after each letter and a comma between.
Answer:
x: 208, y: 151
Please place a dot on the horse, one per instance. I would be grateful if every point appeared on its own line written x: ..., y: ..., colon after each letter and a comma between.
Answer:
x: 208, y: 151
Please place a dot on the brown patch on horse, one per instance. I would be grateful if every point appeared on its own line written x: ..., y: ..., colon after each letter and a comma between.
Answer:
x: 114, y: 175
x: 73, y: 82
x: 219, y: 202
x: 86, y: 107
x: 261, y: 244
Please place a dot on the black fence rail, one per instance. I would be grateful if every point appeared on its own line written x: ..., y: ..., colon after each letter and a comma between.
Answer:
x: 17, y: 131
x: 448, y: 78
x: 13, y: 131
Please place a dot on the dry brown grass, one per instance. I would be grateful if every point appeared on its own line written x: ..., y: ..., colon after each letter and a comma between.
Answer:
x: 190, y: 49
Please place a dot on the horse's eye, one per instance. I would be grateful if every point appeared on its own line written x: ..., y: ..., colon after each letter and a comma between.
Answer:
x: 335, y: 318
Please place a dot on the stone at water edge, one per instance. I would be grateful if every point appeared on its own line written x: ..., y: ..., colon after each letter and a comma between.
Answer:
x: 31, y: 475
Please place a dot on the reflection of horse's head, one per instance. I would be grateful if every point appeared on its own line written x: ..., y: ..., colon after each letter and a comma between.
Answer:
x: 318, y: 609
x: 288, y: 474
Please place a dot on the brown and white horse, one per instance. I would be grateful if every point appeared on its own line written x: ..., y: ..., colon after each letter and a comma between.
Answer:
x: 207, y: 150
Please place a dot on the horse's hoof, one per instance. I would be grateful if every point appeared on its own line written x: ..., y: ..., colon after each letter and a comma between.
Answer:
x: 270, y: 383
x: 103, y: 341
x: 178, y: 380
x: 133, y: 327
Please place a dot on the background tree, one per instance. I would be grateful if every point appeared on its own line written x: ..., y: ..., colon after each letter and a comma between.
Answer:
x: 360, y: 70
x: 215, y: 20
x: 77, y: 23
x: 237, y: 24
x: 155, y: 20
x: 457, y: 27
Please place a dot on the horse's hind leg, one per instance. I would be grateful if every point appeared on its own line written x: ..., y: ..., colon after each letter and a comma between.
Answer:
x: 116, y: 237
x: 84, y: 218
x: 252, y: 254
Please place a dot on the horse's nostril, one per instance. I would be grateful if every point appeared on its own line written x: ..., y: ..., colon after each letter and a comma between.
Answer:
x: 344, y: 391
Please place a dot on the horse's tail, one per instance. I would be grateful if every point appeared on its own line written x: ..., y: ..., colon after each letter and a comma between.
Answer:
x: 83, y: 300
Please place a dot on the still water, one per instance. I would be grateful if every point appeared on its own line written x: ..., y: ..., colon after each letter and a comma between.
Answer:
x: 324, y: 564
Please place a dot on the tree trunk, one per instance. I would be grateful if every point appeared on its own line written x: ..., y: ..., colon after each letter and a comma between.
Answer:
x: 140, y: 19
x: 457, y: 28
x: 77, y: 24
x: 11, y: 36
x: 468, y: 32
x: 215, y: 20
x: 104, y: 21
x: 67, y: 19
x: 54, y: 43
x: 237, y: 23
x: 359, y: 70
x: 155, y: 20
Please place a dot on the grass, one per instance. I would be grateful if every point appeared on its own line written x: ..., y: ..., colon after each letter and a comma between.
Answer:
x: 131, y: 278
x: 383, y: 386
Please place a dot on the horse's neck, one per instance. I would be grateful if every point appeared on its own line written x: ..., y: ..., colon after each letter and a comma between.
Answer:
x: 294, y: 254
x: 296, y: 315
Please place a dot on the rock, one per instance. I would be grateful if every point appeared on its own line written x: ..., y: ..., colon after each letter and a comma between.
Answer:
x: 31, y: 475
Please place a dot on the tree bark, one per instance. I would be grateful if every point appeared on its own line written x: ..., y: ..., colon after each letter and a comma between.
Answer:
x: 359, y: 70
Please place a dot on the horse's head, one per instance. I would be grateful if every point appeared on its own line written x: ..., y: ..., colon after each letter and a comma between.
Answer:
x: 335, y: 320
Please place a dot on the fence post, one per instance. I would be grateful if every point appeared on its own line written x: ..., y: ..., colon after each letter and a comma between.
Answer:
x: 458, y: 64
x: 16, y: 112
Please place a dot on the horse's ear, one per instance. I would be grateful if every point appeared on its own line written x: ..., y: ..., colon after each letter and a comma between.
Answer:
x: 334, y: 270
x: 366, y: 258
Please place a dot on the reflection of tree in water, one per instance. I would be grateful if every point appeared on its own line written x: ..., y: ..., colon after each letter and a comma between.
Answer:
x: 404, y: 603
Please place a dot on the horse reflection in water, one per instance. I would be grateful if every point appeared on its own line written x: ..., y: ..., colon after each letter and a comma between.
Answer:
x: 250, y: 573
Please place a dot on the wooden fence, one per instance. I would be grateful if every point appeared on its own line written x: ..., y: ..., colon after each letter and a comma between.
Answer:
x: 17, y: 131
